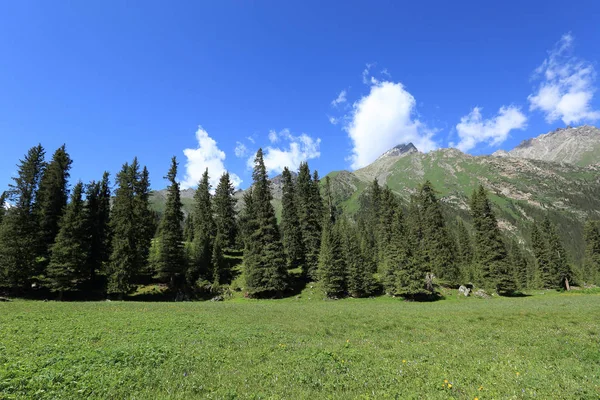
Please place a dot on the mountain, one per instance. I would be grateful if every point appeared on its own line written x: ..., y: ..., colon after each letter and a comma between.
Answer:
x: 573, y: 145
x: 555, y: 174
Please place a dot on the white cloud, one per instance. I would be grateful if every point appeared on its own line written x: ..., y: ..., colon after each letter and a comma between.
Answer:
x: 365, y: 73
x: 567, y: 86
x: 206, y: 155
x: 299, y: 148
x: 340, y: 99
x: 333, y: 120
x: 240, y: 149
x: 273, y: 136
x: 383, y: 119
x: 473, y: 129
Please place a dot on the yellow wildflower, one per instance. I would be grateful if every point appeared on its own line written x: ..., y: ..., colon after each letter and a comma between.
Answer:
x: 403, y: 361
x: 518, y: 374
x: 449, y: 386
x: 445, y: 380
x: 480, y: 387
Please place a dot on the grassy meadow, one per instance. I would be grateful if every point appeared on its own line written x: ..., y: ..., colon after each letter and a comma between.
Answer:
x: 542, y: 346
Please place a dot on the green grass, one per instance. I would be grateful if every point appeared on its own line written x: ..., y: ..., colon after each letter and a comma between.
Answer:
x: 543, y: 346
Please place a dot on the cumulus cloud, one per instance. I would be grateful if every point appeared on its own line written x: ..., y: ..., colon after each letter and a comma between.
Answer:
x: 240, y: 149
x: 340, y: 99
x: 567, y: 86
x: 383, y: 119
x: 206, y: 155
x: 333, y: 120
x: 295, y: 150
x: 473, y: 129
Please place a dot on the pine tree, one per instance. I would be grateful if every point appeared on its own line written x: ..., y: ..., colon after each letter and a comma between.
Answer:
x: 19, y: 231
x: 560, y: 270
x: 383, y: 227
x: 310, y: 214
x: 332, y: 269
x: 291, y: 235
x: 188, y: 228
x: 69, y: 253
x: 411, y: 272
x: 369, y: 219
x: 52, y: 199
x: 3, y: 198
x: 592, y: 251
x: 123, y: 224
x: 219, y: 265
x: 438, y: 248
x: 172, y: 257
x: 539, y: 246
x: 204, y: 232
x: 360, y: 281
x: 491, y: 254
x: 464, y: 252
x: 98, y: 221
x: 145, y: 218
x: 264, y: 259
x: 519, y: 265
x: 224, y: 212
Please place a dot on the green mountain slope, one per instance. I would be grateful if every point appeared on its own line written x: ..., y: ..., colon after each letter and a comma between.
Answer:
x: 523, y: 190
x: 523, y: 184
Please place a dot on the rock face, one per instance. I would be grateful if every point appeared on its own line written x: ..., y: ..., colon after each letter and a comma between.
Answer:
x: 579, y: 146
x: 481, y: 294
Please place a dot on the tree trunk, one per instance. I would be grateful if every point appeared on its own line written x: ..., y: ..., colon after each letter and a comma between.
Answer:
x: 567, y: 284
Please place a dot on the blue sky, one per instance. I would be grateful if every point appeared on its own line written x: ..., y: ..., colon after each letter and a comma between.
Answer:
x: 116, y: 79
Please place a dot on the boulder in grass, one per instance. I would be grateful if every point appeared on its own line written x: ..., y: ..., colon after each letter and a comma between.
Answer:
x: 465, y: 291
x: 482, y: 294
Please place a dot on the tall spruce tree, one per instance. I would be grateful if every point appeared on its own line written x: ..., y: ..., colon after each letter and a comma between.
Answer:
x: 19, y: 231
x: 393, y: 248
x: 220, y: 267
x: 561, y: 275
x: 264, y: 258
x: 519, y: 265
x: 369, y: 219
x: 438, y: 248
x: 539, y: 245
x: 409, y: 269
x: 123, y: 261
x: 3, y: 198
x: 204, y: 233
x: 360, y: 281
x: 383, y: 227
x: 592, y: 252
x: 224, y: 212
x: 145, y: 218
x: 69, y: 253
x: 291, y: 235
x: 464, y: 252
x: 491, y: 255
x: 172, y: 257
x: 310, y: 208
x: 332, y: 268
x: 98, y: 221
x: 52, y: 199
x: 188, y: 228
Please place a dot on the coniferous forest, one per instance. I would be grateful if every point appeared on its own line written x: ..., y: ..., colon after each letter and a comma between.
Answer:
x: 100, y: 239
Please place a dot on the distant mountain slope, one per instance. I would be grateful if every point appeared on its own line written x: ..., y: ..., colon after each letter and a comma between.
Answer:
x: 525, y: 184
x: 579, y: 146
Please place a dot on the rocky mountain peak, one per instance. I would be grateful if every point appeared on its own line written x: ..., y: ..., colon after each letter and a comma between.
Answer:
x: 400, y: 150
x: 574, y: 145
